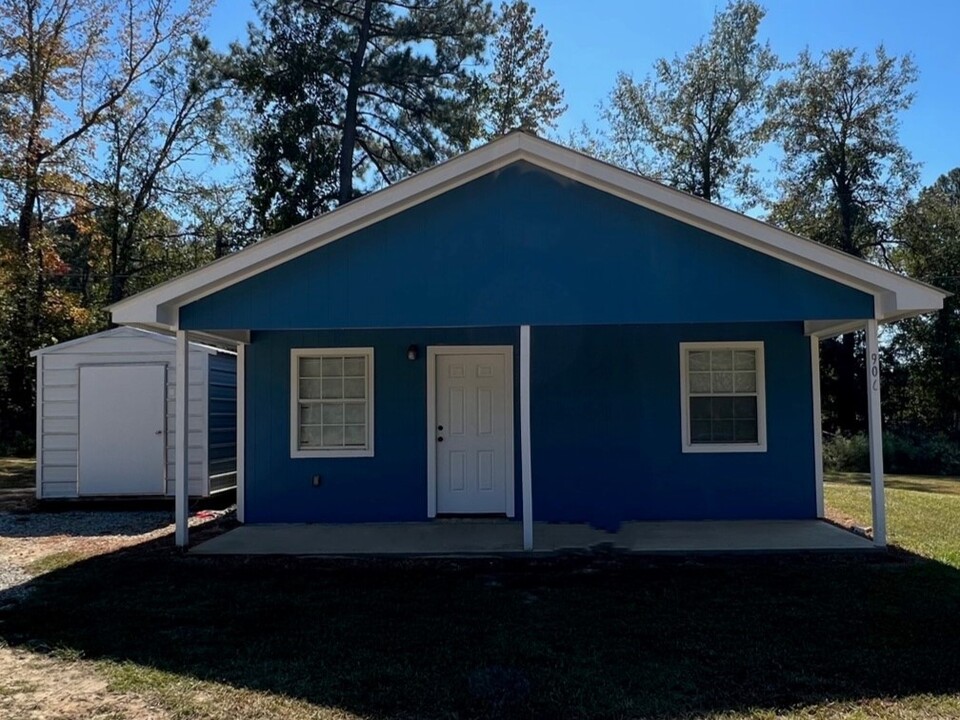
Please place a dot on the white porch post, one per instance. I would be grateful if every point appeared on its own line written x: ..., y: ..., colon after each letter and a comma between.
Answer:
x: 876, y: 435
x: 182, y: 439
x: 817, y: 421
x: 526, y: 479
x: 241, y: 428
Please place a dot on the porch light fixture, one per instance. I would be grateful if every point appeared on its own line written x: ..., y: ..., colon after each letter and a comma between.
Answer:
x: 413, y: 352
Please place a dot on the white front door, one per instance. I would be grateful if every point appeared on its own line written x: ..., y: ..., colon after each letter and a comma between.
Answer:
x: 474, y: 432
x: 121, y: 430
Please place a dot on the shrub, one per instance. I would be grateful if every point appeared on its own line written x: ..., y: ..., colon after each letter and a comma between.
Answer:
x: 903, y: 453
x: 843, y: 453
x: 21, y: 445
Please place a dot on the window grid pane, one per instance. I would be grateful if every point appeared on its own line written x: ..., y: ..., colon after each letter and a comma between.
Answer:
x: 332, y: 402
x: 723, y: 396
x: 723, y: 420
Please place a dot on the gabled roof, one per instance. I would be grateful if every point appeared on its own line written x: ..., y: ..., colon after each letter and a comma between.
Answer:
x: 895, y: 296
x: 76, y: 345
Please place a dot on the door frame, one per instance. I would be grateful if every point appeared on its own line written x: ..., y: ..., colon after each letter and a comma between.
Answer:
x: 433, y: 352
x: 166, y: 398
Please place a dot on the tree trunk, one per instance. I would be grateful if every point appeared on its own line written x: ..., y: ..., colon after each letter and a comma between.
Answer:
x: 849, y: 394
x: 219, y: 243
x: 27, y: 308
x: 349, y: 140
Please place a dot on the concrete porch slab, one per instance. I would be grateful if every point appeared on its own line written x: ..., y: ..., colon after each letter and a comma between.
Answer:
x: 497, y: 537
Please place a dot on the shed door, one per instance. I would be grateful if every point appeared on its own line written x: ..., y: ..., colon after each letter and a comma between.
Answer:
x: 122, y: 430
x: 471, y: 434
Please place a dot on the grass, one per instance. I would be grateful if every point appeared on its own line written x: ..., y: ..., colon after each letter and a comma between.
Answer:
x: 54, y: 561
x: 923, y: 513
x: 606, y: 636
x: 13, y: 686
x: 939, y: 484
x: 799, y: 637
x: 17, y: 473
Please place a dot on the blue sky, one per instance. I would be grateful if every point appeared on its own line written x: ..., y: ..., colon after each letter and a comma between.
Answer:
x: 594, y: 39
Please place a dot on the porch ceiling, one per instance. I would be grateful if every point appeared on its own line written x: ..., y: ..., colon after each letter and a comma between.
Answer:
x: 485, y: 537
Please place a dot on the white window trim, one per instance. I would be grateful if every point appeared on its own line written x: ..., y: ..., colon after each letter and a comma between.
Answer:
x: 295, y: 355
x: 761, y: 444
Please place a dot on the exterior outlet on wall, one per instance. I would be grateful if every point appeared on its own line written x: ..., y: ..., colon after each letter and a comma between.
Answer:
x: 317, y: 480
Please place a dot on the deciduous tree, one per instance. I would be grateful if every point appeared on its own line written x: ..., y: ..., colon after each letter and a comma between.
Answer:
x: 696, y: 122
x: 65, y: 65
x: 928, y: 348
x: 149, y: 138
x: 844, y: 176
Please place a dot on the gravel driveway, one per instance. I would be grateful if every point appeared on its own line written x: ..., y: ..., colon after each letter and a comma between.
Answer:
x: 27, y: 540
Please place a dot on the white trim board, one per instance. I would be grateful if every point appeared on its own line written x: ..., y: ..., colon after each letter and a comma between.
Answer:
x: 433, y: 352
x: 895, y: 296
x: 241, y: 432
x: 817, y: 421
x: 875, y: 434
x: 38, y: 470
x: 526, y: 467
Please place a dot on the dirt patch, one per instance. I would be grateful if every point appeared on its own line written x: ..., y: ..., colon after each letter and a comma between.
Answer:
x: 37, y: 687
x: 842, y: 519
x: 46, y: 685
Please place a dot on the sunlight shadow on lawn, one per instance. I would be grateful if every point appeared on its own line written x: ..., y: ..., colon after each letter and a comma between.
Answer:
x: 920, y: 483
x: 598, y: 636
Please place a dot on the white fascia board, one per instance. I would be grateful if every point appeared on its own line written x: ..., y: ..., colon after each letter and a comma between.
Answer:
x: 125, y: 331
x: 898, y: 293
x: 895, y: 294
x: 211, y: 341
x: 824, y: 329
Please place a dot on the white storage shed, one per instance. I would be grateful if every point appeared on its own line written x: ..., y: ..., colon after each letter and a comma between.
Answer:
x: 106, y: 406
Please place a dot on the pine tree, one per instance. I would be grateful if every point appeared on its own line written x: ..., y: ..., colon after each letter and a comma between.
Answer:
x: 522, y: 92
x: 352, y: 94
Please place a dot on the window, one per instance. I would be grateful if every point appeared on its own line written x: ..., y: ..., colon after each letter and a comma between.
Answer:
x: 331, y: 402
x: 722, y: 390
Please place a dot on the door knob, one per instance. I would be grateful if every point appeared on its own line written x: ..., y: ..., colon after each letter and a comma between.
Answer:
x: 440, y: 428
x: 159, y: 432
x: 439, y: 439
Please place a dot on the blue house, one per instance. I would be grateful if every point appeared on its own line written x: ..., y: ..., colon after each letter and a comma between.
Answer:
x: 527, y: 333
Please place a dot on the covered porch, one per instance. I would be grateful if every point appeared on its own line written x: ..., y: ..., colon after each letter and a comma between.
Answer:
x: 526, y: 528
x: 504, y: 537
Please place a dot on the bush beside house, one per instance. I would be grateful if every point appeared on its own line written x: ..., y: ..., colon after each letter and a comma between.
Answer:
x: 903, y: 453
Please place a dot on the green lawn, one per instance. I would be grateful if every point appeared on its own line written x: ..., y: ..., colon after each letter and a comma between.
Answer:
x: 796, y: 637
x: 923, y: 513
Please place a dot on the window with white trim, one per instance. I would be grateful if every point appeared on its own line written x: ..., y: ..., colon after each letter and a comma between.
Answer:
x: 331, y: 402
x: 723, y: 397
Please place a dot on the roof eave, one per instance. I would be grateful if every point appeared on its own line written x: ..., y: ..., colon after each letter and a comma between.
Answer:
x: 894, y: 294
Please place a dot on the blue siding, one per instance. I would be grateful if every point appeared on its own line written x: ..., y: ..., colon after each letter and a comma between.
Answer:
x: 605, y: 416
x: 392, y: 485
x: 605, y: 429
x: 222, y: 419
x: 524, y: 246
